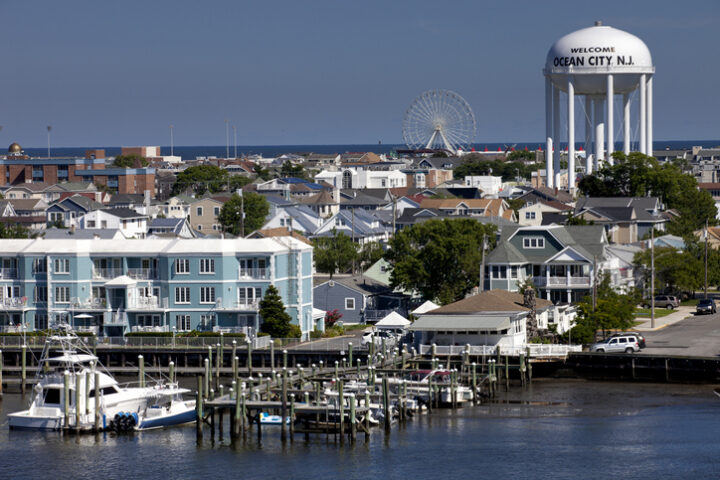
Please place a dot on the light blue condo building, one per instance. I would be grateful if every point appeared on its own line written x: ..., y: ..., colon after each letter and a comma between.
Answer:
x: 112, y: 287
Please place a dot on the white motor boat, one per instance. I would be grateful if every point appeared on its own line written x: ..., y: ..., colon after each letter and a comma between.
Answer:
x: 72, y: 387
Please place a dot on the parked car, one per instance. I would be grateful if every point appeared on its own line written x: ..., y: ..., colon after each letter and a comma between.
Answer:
x: 621, y: 343
x: 377, y: 338
x: 640, y: 338
x: 706, y: 305
x: 664, y: 301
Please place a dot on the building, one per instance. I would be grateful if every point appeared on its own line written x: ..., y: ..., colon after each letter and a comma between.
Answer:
x: 597, y: 63
x: 561, y: 261
x: 113, y: 287
x: 626, y: 219
x: 204, y: 215
x: 130, y: 223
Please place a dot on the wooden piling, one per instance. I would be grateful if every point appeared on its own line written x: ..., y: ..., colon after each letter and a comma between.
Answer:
x: 292, y: 417
x: 23, y: 359
x: 285, y: 356
x: 386, y: 403
x: 341, y: 405
x: 78, y: 402
x: 238, y: 413
x: 474, y: 382
x: 1, y: 374
x: 507, y: 372
x: 141, y: 371
x: 283, y: 410
x: 66, y: 399
x: 207, y: 377
x: 97, y: 401
x: 199, y: 407
x: 272, y: 355
x: 249, y: 359
x: 219, y: 361
x: 350, y: 354
x: 353, y: 420
x: 171, y: 372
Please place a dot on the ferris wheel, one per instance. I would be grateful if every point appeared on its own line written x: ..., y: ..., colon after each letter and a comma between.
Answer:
x: 439, y: 119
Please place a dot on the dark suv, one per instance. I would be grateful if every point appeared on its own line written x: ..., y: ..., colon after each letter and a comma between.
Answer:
x: 706, y: 305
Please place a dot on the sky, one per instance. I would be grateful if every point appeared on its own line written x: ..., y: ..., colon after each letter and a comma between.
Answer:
x: 321, y: 72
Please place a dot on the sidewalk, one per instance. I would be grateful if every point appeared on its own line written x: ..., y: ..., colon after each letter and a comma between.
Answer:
x: 681, y: 313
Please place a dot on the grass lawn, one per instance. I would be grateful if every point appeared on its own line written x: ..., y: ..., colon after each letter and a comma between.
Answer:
x: 356, y: 326
x: 659, y: 312
x: 690, y: 302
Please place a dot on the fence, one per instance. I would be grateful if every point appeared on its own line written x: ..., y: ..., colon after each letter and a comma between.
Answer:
x: 534, y: 349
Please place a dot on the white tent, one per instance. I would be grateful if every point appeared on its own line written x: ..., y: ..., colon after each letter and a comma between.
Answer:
x: 425, y: 307
x: 393, y: 320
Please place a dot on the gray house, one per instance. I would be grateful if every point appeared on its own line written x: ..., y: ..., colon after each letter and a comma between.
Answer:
x: 360, y: 299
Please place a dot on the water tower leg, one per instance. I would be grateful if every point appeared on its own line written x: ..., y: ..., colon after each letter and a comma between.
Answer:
x: 626, y: 123
x: 571, y: 135
x: 610, y: 118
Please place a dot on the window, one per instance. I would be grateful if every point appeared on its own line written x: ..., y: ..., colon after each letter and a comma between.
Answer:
x: 62, y: 294
x: 207, y: 265
x: 91, y: 224
x: 182, y: 265
x: 62, y: 265
x: 216, y: 211
x: 349, y: 304
x: 529, y: 215
x: 499, y: 271
x: 206, y: 320
x: 249, y: 295
x: 199, y: 211
x: 41, y: 321
x: 182, y: 323
x: 40, y: 295
x: 533, y: 242
x: 513, y: 272
x: 39, y: 265
x: 207, y: 294
x: 182, y: 294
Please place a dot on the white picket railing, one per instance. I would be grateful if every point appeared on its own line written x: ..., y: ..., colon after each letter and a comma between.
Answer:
x: 535, y: 350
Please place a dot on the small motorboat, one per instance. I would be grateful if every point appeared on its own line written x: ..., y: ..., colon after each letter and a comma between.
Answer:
x: 267, y: 419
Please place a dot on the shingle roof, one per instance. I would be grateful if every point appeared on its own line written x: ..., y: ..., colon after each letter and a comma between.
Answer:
x: 490, y: 301
x: 124, y: 213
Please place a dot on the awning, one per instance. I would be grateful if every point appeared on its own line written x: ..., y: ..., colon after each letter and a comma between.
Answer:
x: 434, y: 323
x: 121, y: 281
x: 425, y: 307
x: 318, y: 313
x: 393, y: 320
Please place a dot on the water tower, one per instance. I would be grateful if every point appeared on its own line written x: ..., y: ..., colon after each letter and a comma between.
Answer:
x: 599, y: 63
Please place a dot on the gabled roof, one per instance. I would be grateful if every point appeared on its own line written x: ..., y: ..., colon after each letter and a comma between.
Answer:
x: 278, y: 232
x: 83, y: 202
x: 126, y: 198
x: 27, y: 204
x: 494, y: 301
x: 123, y: 213
x: 322, y: 198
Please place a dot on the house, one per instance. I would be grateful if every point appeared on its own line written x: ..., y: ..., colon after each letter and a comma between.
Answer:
x: 324, y: 203
x: 469, y: 207
x: 559, y: 260
x: 533, y: 213
x: 618, y: 263
x: 495, y: 318
x: 299, y: 218
x: 68, y: 210
x: 489, y: 184
x: 129, y: 222
x: 360, y: 225
x: 358, y: 298
x: 359, y: 177
x: 411, y: 216
x: 170, y: 227
x: 204, y: 214
x: 177, y: 206
x: 29, y: 212
x: 278, y: 232
x: 117, y: 286
x: 626, y: 219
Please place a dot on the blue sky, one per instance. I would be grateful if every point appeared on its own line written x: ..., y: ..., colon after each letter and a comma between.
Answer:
x: 315, y: 72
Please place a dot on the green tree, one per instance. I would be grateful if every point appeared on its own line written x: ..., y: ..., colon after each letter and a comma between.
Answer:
x: 132, y: 160
x: 522, y: 155
x: 508, y: 170
x: 275, y: 320
x: 255, y: 207
x: 14, y: 230
x: 289, y: 169
x: 439, y: 258
x: 370, y: 253
x: 335, y: 253
x: 638, y: 175
x: 237, y: 182
x: 675, y: 270
x: 200, y: 179
x: 612, y: 311
x: 262, y: 173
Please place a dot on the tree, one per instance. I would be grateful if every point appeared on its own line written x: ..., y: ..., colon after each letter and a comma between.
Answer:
x: 14, y: 230
x: 675, y: 270
x: 370, y: 253
x: 439, y: 258
x: 522, y: 155
x: 255, y: 207
x: 289, y: 169
x: 612, y: 311
x: 335, y: 253
x: 201, y: 178
x: 638, y: 175
x: 508, y: 170
x: 332, y: 317
x: 236, y: 182
x: 276, y: 321
x: 132, y: 160
x: 262, y: 173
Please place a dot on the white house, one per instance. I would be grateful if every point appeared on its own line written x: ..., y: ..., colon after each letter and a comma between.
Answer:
x: 130, y: 223
x: 362, y: 178
x: 490, y: 185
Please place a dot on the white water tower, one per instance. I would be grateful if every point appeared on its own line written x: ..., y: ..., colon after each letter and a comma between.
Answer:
x: 599, y: 63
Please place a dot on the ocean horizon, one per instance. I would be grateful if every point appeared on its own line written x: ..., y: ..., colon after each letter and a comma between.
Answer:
x: 190, y: 152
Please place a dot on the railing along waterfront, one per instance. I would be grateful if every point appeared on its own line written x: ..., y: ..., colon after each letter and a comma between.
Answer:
x: 535, y: 350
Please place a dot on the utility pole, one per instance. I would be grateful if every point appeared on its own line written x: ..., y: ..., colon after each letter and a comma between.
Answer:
x: 172, y: 142
x: 353, y: 237
x: 235, y: 141
x: 652, y: 278
x: 483, y: 247
x: 49, y: 127
x: 394, y: 199
x: 594, y: 286
x: 706, y: 269
x: 227, y: 138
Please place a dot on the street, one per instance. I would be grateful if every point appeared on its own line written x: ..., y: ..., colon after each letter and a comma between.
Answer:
x: 696, y: 336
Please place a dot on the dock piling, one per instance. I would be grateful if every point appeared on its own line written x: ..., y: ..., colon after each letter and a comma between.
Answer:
x: 97, y: 402
x: 141, y: 371
x: 24, y: 368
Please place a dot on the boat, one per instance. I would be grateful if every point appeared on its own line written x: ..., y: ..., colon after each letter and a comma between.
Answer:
x: 418, y: 381
x: 267, y: 419
x: 74, y: 390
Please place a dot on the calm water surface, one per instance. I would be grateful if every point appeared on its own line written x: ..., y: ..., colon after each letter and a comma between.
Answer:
x: 554, y: 430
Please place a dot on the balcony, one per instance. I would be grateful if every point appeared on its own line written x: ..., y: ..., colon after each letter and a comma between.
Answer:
x: 8, y: 274
x: 254, y: 273
x: 142, y: 273
x: 13, y: 303
x: 150, y: 328
x: 115, y: 319
x: 106, y: 273
x: 243, y: 306
x: 569, y: 282
x: 88, y: 304
x: 148, y: 303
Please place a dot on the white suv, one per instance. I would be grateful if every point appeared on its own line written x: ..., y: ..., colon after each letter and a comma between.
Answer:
x: 622, y: 343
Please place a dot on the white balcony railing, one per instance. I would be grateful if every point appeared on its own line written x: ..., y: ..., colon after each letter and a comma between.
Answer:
x: 13, y: 302
x: 106, y: 273
x: 8, y: 273
x: 150, y: 328
x: 148, y: 303
x: 142, y: 273
x: 90, y: 304
x: 564, y: 281
x: 248, y: 306
x: 254, y: 273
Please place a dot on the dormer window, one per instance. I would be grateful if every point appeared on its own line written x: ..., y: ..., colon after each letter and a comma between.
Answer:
x: 533, y: 242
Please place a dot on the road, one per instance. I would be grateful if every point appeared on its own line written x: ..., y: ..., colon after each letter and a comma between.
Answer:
x: 696, y: 336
